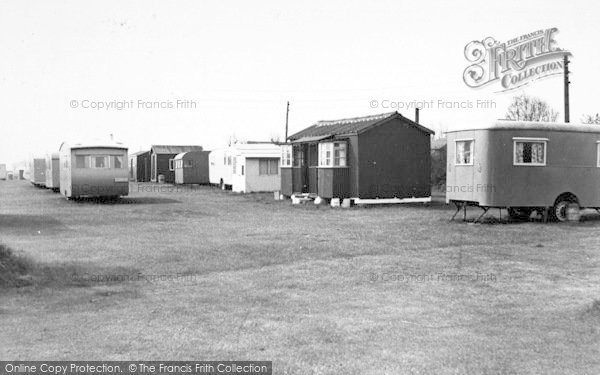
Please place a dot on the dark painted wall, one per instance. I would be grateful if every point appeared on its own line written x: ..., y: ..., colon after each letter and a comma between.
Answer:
x: 394, y: 161
x: 143, y: 167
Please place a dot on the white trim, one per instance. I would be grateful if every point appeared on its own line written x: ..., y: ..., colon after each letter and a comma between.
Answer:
x: 530, y: 140
x: 472, y: 140
x: 597, y: 154
x: 392, y: 200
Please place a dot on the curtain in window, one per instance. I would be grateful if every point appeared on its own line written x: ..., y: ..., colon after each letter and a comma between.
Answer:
x: 537, y: 153
x: 519, y: 151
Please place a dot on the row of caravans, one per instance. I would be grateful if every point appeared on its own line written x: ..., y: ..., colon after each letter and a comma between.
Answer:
x: 83, y: 170
x: 521, y: 166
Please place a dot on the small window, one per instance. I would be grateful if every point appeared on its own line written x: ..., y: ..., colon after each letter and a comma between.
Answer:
x: 464, y: 152
x: 286, y: 155
x: 242, y: 170
x: 529, y: 151
x: 188, y: 164
x: 117, y: 161
x: 598, y: 154
x: 234, y: 166
x: 268, y: 167
x: 80, y: 161
x: 171, y: 166
x: 99, y: 161
x: 332, y: 154
x: 298, y: 156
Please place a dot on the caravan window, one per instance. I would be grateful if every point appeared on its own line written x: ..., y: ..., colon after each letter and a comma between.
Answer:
x: 187, y: 163
x: 99, y: 161
x: 171, y: 166
x: 117, y: 161
x: 529, y: 151
x: 81, y: 161
x: 464, y: 152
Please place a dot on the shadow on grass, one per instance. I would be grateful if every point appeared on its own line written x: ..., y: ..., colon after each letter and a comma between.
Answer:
x: 30, y: 224
x: 18, y: 271
x: 125, y: 200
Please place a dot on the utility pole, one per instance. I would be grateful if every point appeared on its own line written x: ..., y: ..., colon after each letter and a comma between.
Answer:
x: 566, y: 76
x: 287, y: 114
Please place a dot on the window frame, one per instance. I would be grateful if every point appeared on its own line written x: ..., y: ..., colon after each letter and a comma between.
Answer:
x: 456, y: 141
x: 287, y: 156
x: 272, y: 165
x: 171, y: 164
x: 326, y: 154
x: 597, y: 154
x: 516, y: 140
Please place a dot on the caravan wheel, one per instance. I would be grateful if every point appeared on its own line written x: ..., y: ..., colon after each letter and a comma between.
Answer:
x: 559, y: 210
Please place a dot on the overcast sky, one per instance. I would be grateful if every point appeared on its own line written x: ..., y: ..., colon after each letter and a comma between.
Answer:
x: 240, y: 61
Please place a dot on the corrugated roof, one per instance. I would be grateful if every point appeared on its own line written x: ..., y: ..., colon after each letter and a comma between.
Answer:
x: 166, y: 149
x: 138, y: 153
x: 350, y: 126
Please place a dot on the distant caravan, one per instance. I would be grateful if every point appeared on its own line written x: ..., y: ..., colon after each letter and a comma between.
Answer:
x: 37, y: 172
x: 53, y: 171
x: 93, y: 170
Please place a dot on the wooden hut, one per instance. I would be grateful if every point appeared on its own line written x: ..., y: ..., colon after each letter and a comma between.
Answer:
x: 139, y: 166
x: 162, y: 159
x: 372, y: 159
x: 53, y: 171
x: 191, y: 167
x: 37, y: 172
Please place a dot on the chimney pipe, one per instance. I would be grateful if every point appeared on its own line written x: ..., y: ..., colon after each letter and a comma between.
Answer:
x: 417, y: 115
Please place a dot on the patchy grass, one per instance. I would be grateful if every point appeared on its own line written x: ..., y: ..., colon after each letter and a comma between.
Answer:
x: 209, y: 274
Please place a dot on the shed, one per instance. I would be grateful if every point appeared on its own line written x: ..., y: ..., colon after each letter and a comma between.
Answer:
x: 162, y: 158
x: 438, y: 161
x: 525, y: 166
x: 37, y: 171
x: 191, y: 167
x: 93, y: 170
x: 139, y: 166
x: 384, y: 156
x: 246, y: 167
x: 53, y: 171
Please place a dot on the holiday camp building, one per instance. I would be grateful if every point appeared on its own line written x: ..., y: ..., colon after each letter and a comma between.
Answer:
x: 246, y: 167
x: 139, y: 166
x: 162, y: 158
x: 191, y: 167
x: 381, y: 157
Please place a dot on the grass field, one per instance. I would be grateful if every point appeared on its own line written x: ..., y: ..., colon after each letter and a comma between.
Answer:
x: 211, y: 275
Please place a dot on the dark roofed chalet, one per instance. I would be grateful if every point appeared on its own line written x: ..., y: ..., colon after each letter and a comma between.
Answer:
x: 380, y: 156
x: 162, y: 158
